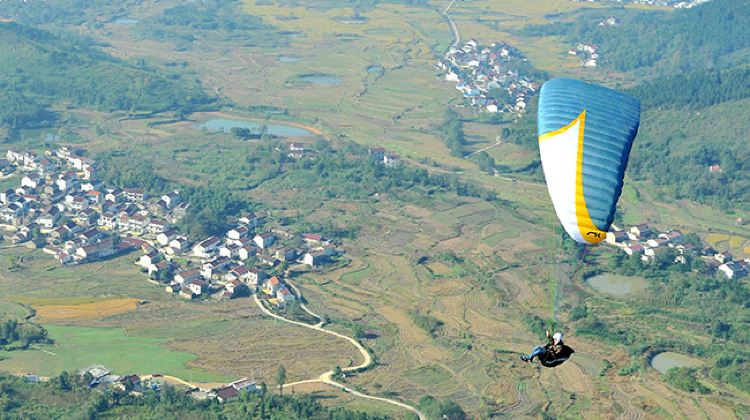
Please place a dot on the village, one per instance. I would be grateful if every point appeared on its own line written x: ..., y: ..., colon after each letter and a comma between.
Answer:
x: 61, y: 207
x: 101, y: 378
x: 648, y: 244
x: 587, y: 53
x: 490, y: 78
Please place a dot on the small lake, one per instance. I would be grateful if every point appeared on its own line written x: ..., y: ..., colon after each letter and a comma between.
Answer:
x: 125, y: 21
x: 320, y: 79
x: 288, y: 59
x: 292, y: 34
x: 226, y: 125
x: 617, y: 285
x: 375, y: 69
x: 668, y: 360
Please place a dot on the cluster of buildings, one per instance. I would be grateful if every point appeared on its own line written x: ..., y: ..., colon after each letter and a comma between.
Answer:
x: 235, y: 264
x: 103, y: 378
x: 489, y: 77
x: 62, y: 207
x: 647, y: 243
x: 587, y: 53
x: 59, y: 204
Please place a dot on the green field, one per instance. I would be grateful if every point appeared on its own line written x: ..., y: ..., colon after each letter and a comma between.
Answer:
x: 76, y: 348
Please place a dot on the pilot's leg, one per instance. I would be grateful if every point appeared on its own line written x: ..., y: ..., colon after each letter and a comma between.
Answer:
x: 538, y: 351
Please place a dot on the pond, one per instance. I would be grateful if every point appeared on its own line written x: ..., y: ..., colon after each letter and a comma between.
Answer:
x: 668, y: 359
x: 617, y: 285
x: 320, y: 79
x: 125, y: 21
x: 375, y: 69
x: 292, y: 34
x: 288, y: 59
x: 226, y: 125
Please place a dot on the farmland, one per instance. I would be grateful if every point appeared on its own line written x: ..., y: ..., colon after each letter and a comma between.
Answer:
x: 478, y: 268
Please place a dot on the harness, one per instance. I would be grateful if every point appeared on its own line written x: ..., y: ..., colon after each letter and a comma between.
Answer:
x: 551, y: 360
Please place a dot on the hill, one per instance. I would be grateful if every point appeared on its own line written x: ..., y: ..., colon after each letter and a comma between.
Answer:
x: 716, y: 34
x: 42, y: 69
x: 689, y: 73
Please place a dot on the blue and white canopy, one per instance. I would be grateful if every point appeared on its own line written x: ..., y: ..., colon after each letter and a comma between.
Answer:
x: 585, y: 135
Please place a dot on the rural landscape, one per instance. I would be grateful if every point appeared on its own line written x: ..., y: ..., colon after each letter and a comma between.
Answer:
x: 337, y: 209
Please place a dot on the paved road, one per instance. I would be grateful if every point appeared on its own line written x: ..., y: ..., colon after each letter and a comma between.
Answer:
x: 326, y: 376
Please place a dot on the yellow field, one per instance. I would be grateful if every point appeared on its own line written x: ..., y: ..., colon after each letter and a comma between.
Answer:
x: 731, y: 242
x: 95, y: 310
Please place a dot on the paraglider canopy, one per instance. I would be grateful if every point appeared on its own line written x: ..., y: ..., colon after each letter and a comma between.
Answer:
x: 585, y: 135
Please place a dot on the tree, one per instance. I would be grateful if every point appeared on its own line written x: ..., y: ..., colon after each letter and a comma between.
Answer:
x: 281, y: 378
x: 338, y: 373
x: 63, y: 381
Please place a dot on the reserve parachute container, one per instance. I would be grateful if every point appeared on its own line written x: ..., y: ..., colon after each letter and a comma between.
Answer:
x: 585, y: 135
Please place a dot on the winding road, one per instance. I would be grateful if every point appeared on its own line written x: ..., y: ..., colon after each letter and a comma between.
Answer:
x: 326, y: 377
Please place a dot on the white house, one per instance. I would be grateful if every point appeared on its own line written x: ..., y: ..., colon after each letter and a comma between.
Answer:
x: 171, y: 199
x: 197, y: 287
x: 229, y: 251
x: 147, y: 260
x: 264, y: 240
x: 164, y: 238
x: 640, y: 231
x: 95, y: 251
x: 186, y: 276
x: 657, y: 242
x: 314, y: 258
x: 633, y: 250
x: 32, y: 180
x: 207, y: 248
x: 238, y: 233
x: 734, y: 269
x: 246, y: 252
x: 179, y: 244
x: 618, y: 238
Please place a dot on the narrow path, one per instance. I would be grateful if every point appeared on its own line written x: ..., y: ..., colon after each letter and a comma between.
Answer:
x: 44, y: 351
x: 484, y: 149
x: 326, y: 376
x: 454, y: 28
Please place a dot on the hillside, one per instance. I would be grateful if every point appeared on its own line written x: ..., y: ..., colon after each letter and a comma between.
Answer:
x: 716, y: 34
x: 689, y: 74
x: 41, y: 69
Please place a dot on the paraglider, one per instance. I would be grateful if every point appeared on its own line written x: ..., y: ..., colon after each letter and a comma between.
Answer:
x: 586, y: 132
x: 585, y: 135
x: 553, y: 354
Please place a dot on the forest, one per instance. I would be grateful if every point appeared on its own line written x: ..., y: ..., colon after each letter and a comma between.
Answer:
x: 674, y: 149
x: 41, y: 69
x: 210, y: 16
x: 695, y: 90
x: 717, y: 34
x: 74, y: 12
x: 347, y: 172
